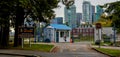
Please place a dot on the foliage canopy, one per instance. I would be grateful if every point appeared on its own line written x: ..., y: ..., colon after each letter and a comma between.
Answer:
x: 113, y: 11
x: 16, y: 10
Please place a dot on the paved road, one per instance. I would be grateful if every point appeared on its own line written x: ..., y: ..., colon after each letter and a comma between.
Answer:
x: 66, y: 50
x: 76, y: 50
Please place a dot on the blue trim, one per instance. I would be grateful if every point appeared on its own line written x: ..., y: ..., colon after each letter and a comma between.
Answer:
x: 60, y: 26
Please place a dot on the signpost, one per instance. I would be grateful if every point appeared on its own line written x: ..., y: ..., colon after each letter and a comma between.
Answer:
x: 98, y: 26
x: 25, y: 32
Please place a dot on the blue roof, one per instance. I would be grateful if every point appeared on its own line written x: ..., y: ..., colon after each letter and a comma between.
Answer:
x: 60, y: 26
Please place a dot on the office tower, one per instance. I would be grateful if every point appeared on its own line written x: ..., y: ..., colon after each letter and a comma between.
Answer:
x: 79, y: 18
x: 87, y: 12
x: 57, y: 20
x: 70, y: 16
x: 99, y: 12
x: 93, y: 14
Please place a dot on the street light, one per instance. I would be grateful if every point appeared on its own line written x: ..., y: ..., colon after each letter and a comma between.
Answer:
x: 68, y: 3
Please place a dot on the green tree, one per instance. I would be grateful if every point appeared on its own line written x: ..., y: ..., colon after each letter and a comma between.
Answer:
x: 113, y: 10
x: 38, y: 9
x: 5, y: 9
x: 41, y: 9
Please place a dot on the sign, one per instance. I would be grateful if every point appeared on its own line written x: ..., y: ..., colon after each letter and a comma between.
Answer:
x: 26, y: 32
x: 98, y: 25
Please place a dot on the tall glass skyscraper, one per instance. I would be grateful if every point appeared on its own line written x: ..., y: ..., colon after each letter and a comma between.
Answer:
x: 79, y: 18
x: 57, y: 20
x: 93, y: 14
x: 99, y: 12
x: 70, y: 16
x: 87, y: 12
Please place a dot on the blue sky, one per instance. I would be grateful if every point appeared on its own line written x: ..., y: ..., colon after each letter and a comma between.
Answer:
x: 60, y: 11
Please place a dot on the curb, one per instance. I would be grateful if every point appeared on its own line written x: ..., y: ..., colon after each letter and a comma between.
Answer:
x: 20, y: 55
x: 102, y: 52
x: 54, y: 49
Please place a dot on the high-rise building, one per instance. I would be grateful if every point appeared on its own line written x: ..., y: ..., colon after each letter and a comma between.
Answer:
x: 57, y: 20
x: 70, y: 16
x: 93, y: 14
x: 99, y: 12
x: 87, y: 12
x: 79, y: 18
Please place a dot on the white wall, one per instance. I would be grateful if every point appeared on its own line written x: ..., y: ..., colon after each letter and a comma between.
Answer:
x: 61, y: 39
x: 50, y: 33
x: 107, y: 30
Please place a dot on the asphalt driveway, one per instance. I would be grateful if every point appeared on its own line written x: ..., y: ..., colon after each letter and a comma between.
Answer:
x: 81, y: 49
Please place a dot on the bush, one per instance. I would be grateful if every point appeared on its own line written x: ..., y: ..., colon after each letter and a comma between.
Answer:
x: 47, y: 40
x: 106, y: 38
x: 97, y: 42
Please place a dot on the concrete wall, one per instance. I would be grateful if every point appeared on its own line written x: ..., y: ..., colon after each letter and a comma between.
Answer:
x: 107, y: 30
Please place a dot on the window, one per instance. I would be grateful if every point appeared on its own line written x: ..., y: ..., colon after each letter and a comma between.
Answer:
x: 61, y: 34
x: 64, y: 33
x: 67, y: 33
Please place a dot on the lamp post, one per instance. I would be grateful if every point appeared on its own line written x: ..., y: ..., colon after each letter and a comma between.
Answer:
x: 68, y: 3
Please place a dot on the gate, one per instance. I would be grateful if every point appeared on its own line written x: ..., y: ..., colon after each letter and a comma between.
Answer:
x: 83, y: 33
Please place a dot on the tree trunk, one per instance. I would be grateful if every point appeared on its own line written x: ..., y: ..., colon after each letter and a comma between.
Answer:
x: 0, y: 36
x: 19, y: 21
x: 4, y: 39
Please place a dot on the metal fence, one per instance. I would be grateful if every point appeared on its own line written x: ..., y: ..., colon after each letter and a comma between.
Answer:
x: 83, y: 34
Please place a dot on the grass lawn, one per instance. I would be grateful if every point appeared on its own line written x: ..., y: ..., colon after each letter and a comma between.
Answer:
x: 36, y: 47
x: 112, y: 52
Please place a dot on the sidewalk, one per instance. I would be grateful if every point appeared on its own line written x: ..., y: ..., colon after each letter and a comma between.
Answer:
x: 109, y: 47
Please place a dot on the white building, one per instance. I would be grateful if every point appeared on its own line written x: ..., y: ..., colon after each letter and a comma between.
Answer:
x: 57, y: 33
